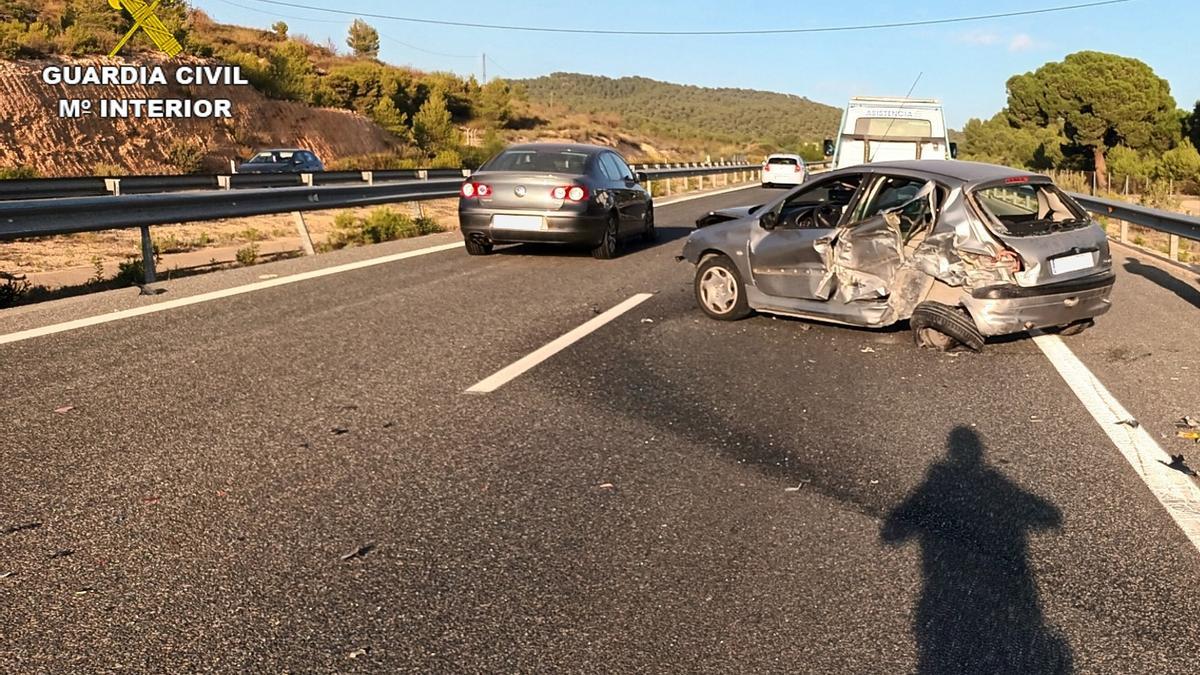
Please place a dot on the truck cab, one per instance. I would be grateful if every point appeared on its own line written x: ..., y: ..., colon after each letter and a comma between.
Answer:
x: 885, y: 129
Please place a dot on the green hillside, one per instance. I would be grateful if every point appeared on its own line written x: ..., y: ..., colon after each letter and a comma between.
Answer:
x: 729, y: 116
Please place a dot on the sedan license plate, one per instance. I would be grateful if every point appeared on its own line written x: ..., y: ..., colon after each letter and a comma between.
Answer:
x: 509, y: 222
x: 1071, y: 263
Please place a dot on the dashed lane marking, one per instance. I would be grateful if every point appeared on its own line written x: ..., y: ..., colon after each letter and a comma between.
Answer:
x: 520, y: 366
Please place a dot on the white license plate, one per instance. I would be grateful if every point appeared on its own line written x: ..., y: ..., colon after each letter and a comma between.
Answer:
x: 509, y: 222
x: 1071, y: 263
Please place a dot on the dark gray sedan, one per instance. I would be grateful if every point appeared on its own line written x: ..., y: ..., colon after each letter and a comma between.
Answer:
x: 555, y: 192
x: 282, y: 160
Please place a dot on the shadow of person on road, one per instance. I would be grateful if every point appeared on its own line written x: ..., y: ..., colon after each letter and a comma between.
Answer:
x: 1187, y: 292
x: 979, y: 611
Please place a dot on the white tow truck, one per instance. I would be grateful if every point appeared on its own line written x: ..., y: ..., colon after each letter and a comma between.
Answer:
x: 883, y: 129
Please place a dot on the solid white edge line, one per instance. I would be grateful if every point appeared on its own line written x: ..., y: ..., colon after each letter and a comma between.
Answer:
x: 216, y: 295
x: 702, y: 195
x: 1178, y: 493
x: 520, y: 366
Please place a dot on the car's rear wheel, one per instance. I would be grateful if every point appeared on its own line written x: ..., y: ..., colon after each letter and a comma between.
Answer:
x: 649, y: 234
x: 477, y: 246
x: 607, y: 248
x: 719, y: 290
x: 944, y: 328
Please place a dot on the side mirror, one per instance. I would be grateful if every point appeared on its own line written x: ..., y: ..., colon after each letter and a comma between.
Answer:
x: 954, y: 151
x: 639, y: 176
x: 768, y: 220
x: 829, y: 148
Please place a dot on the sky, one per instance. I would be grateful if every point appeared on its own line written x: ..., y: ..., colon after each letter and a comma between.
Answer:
x: 963, y: 64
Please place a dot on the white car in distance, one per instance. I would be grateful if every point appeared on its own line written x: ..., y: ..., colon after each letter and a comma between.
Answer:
x: 783, y: 169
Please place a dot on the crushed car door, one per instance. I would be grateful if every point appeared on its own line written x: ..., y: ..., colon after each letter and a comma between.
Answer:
x: 866, y: 261
x: 783, y: 259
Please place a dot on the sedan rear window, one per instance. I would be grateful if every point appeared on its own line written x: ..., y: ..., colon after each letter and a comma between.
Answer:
x: 1023, y: 209
x: 541, y: 161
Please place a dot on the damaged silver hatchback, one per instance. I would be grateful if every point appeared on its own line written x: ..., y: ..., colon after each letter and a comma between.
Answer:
x: 961, y: 250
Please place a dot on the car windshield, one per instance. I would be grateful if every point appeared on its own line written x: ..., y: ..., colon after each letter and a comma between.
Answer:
x: 788, y: 161
x: 540, y: 161
x: 1022, y: 208
x: 271, y: 157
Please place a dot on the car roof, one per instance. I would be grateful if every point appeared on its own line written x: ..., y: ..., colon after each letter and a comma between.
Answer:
x: 784, y: 154
x: 283, y: 150
x: 953, y: 170
x: 560, y: 147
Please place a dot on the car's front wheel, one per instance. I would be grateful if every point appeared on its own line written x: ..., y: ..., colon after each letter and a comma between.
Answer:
x: 719, y: 290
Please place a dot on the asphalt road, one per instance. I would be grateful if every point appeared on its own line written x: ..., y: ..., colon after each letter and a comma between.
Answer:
x: 292, y: 480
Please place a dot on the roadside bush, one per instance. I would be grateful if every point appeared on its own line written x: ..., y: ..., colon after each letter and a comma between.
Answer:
x: 446, y: 159
x: 13, y: 290
x: 105, y: 170
x: 382, y: 224
x: 247, y: 255
x: 13, y: 173
x: 186, y: 156
x: 130, y: 271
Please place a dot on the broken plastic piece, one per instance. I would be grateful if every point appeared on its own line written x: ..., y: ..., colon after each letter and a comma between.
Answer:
x: 360, y: 552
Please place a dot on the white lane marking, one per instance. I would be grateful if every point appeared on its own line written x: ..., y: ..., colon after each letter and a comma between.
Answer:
x: 1178, y: 493
x: 216, y: 295
x: 520, y: 366
x: 702, y: 195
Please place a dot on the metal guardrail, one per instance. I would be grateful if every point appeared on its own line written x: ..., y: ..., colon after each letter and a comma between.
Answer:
x: 1176, y: 225
x: 54, y: 206
x: 50, y: 188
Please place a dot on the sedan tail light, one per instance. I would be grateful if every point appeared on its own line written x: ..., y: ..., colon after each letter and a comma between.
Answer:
x: 475, y: 190
x: 574, y: 193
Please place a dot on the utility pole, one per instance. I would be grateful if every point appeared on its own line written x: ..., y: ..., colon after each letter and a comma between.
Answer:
x: 483, y: 62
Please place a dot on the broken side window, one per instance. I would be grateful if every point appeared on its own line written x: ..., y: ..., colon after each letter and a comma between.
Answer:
x: 1028, y: 208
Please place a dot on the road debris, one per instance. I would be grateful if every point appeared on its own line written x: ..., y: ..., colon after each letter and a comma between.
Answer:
x: 64, y: 410
x: 1179, y: 464
x: 22, y: 527
x: 647, y: 320
x: 62, y: 553
x: 1189, y: 435
x: 797, y: 487
x: 267, y: 276
x: 85, y: 591
x: 5, y: 575
x: 607, y: 487
x: 338, y: 431
x: 152, y: 500
x: 1131, y: 423
x: 1188, y: 422
x: 360, y: 552
x: 361, y: 651
x: 867, y: 350
x: 1036, y: 418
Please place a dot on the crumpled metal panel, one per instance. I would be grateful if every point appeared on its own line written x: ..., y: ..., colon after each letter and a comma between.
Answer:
x: 861, y: 261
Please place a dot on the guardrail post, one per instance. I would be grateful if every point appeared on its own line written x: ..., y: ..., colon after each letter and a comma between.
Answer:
x: 306, y: 179
x: 225, y: 182
x: 147, y: 255
x: 113, y: 185
x: 1174, y: 246
x: 1124, y: 232
x: 305, y: 237
x: 368, y: 177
